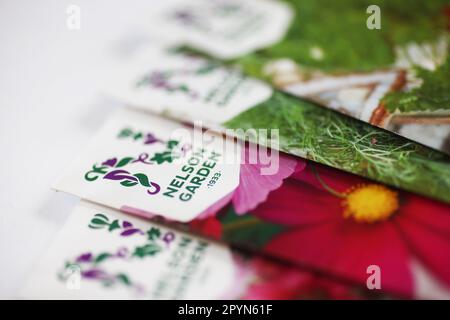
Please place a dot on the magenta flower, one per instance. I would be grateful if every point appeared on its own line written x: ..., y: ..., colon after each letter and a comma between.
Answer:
x: 342, y: 224
x: 253, y: 187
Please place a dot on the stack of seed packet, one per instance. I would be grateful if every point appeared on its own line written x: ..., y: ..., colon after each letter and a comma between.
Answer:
x: 274, y: 150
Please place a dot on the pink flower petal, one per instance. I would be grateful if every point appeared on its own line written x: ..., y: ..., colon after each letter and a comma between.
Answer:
x: 432, y: 214
x: 297, y: 203
x: 346, y: 249
x: 254, y: 187
x: 432, y: 248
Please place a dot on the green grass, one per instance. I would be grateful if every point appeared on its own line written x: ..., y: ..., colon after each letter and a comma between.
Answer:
x: 329, y: 138
x: 433, y: 94
x: 339, y: 29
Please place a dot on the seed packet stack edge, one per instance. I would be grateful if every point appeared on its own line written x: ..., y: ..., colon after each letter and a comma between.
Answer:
x: 323, y: 209
x: 189, y: 88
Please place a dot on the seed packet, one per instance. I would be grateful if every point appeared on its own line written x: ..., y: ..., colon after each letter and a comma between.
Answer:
x: 267, y: 202
x: 226, y: 29
x: 103, y: 254
x: 365, y: 60
x: 189, y: 88
x: 144, y: 160
x: 185, y: 86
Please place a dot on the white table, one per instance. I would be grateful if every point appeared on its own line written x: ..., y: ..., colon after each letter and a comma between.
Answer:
x: 50, y: 105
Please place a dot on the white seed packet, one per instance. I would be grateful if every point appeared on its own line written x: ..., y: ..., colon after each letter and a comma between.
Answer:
x: 142, y: 161
x: 224, y: 28
x: 185, y: 86
x: 103, y: 254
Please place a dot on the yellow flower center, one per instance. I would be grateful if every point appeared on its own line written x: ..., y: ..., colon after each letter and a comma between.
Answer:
x: 370, y: 203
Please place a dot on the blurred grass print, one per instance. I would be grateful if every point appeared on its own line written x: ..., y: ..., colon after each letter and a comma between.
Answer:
x: 327, y: 137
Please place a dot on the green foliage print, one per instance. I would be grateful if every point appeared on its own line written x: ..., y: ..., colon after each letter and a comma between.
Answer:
x: 338, y: 29
x: 329, y: 138
x: 432, y: 95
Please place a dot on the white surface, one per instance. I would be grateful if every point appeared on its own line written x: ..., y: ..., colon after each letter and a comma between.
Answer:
x: 49, y: 108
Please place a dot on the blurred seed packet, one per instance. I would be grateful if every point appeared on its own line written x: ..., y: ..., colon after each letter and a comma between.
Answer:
x: 226, y: 29
x: 103, y: 254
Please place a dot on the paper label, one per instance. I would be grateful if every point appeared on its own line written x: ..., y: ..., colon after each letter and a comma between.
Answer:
x: 226, y: 28
x: 185, y: 86
x: 156, y: 165
x: 104, y: 254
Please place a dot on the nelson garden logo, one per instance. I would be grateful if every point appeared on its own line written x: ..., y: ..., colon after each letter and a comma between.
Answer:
x: 116, y: 169
x: 92, y: 266
x: 112, y: 169
x: 166, y: 79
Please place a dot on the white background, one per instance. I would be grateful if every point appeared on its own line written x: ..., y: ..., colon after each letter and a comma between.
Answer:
x: 50, y: 105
